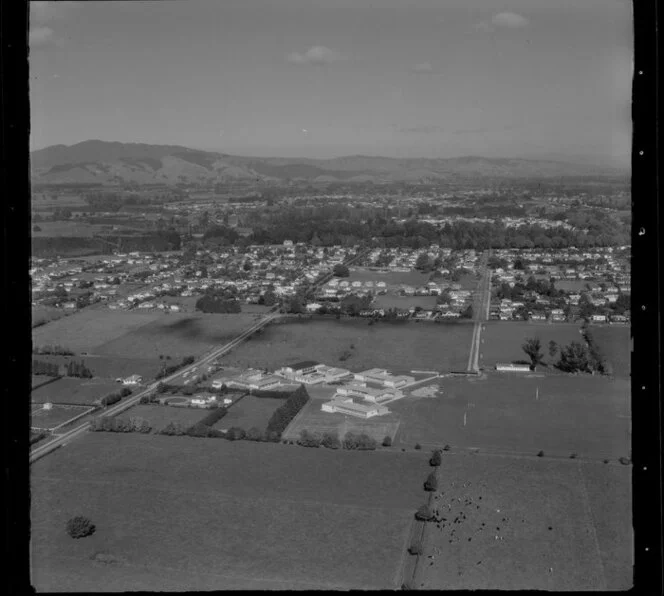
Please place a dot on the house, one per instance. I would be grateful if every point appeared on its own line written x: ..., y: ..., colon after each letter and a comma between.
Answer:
x: 313, y: 307
x: 537, y: 316
x: 351, y: 408
x: 132, y: 380
x: 511, y: 367
x: 599, y: 318
x: 202, y: 401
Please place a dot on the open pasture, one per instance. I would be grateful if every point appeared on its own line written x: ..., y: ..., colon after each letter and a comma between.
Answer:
x: 206, y: 513
x: 392, y: 279
x: 502, y: 340
x: 405, y: 302
x: 68, y: 228
x: 250, y: 411
x: 73, y: 391
x: 57, y: 415
x: 516, y: 523
x: 160, y: 416
x: 42, y: 315
x: 615, y: 342
x: 89, y: 328
x: 110, y: 367
x: 400, y: 346
x: 313, y: 419
x: 177, y: 335
x: 506, y: 413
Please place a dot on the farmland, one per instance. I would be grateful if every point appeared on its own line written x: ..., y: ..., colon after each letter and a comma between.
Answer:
x: 557, y: 414
x: 615, y: 343
x: 313, y: 419
x: 43, y: 314
x: 160, y: 416
x: 269, y: 516
x: 502, y: 341
x: 520, y: 523
x: 58, y: 414
x: 250, y: 411
x: 400, y: 347
x: 73, y: 391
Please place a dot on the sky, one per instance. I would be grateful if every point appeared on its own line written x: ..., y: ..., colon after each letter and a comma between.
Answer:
x: 326, y: 78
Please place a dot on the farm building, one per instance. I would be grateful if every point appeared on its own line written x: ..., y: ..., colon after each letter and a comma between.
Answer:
x: 511, y: 367
x: 132, y: 380
x: 348, y: 406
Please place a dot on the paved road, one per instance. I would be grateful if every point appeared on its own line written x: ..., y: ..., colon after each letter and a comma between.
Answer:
x: 481, y: 312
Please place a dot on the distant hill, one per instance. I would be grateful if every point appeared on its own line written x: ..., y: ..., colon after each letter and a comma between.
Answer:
x: 117, y: 163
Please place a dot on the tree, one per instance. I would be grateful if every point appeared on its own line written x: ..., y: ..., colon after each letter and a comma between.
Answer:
x: 424, y: 513
x: 431, y: 483
x: 468, y: 313
x: 387, y: 441
x: 36, y: 229
x: 553, y: 348
x: 436, y: 458
x: 340, y: 270
x: 574, y: 358
x: 533, y: 349
x: 80, y: 527
x: 254, y: 434
x: 331, y: 441
x: 423, y: 263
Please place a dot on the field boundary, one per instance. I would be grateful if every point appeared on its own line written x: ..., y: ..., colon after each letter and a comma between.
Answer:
x: 47, y: 382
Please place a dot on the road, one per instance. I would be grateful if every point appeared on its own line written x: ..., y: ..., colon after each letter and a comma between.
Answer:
x: 75, y: 432
x: 481, y: 312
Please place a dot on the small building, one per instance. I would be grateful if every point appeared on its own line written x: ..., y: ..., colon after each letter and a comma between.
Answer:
x: 512, y: 367
x: 351, y: 408
x: 132, y: 380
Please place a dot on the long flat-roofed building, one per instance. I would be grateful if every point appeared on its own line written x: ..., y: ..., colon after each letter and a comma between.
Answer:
x: 383, y: 377
x: 351, y: 408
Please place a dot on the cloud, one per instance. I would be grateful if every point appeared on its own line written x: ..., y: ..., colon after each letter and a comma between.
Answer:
x: 40, y: 36
x: 423, y: 67
x: 506, y: 20
x: 315, y: 55
x: 509, y: 19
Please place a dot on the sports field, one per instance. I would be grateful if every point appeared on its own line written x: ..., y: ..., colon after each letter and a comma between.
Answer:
x: 178, y: 513
x: 250, y: 411
x: 392, y: 279
x: 74, y: 391
x: 399, y: 347
x: 502, y: 340
x: 507, y: 413
x: 313, y: 419
x: 519, y: 523
x: 615, y: 342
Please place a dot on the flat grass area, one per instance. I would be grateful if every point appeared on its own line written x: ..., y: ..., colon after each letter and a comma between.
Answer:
x: 74, y: 391
x: 250, y: 411
x: 180, y: 513
x: 58, y: 414
x: 517, y: 523
x: 502, y: 340
x: 392, y: 279
x: 111, y: 367
x: 399, y: 347
x: 557, y: 414
x: 89, y: 328
x: 67, y: 228
x: 160, y: 416
x: 405, y: 302
x: 571, y: 285
x: 177, y: 335
x: 313, y: 419
x: 44, y: 315
x: 615, y: 342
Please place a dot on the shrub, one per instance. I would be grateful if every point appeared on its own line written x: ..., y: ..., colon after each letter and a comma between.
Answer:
x: 418, y: 446
x: 203, y: 431
x: 446, y: 448
x: 387, y: 441
x: 415, y: 548
x: 424, y: 513
x: 80, y: 527
x: 110, y: 399
x: 308, y: 439
x: 235, y: 434
x: 540, y: 454
x: 436, y: 458
x: 625, y: 461
x: 214, y: 416
x: 254, y: 434
x: 606, y: 461
x: 140, y: 425
x: 173, y: 429
x: 125, y: 391
x: 431, y: 483
x: 331, y: 441
x: 573, y: 456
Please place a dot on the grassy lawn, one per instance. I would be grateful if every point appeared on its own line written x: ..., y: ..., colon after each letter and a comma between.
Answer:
x: 392, y: 279
x: 615, y: 342
x: 57, y: 415
x: 250, y: 411
x: 560, y: 525
x: 44, y: 315
x: 160, y: 416
x: 90, y: 328
x: 177, y: 335
x: 502, y: 340
x: 587, y: 415
x: 405, y: 302
x: 399, y: 347
x: 74, y: 391
x: 314, y: 419
x: 111, y: 367
x: 182, y: 513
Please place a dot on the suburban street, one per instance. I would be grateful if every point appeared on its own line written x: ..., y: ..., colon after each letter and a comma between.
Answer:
x: 482, y: 304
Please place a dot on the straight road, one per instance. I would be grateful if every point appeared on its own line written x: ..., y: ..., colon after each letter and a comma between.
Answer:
x: 481, y: 312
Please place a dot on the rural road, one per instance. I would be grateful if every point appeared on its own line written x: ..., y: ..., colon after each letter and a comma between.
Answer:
x: 61, y: 440
x: 481, y: 312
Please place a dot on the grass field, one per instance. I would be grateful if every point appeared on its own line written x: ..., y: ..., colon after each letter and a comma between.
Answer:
x: 44, y: 315
x: 177, y: 335
x: 502, y: 341
x: 74, y: 391
x: 177, y: 513
x: 111, y: 367
x: 586, y: 415
x: 400, y: 347
x: 58, y: 414
x: 314, y: 419
x: 90, y: 328
x: 392, y: 279
x: 615, y: 343
x: 250, y: 411
x: 571, y: 285
x: 516, y: 523
x: 160, y: 416
x: 68, y: 228
x: 405, y: 302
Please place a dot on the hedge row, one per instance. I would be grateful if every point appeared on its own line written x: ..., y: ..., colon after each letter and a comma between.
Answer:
x: 113, y: 398
x: 120, y: 425
x: 283, y: 415
x: 270, y: 393
x: 214, y: 416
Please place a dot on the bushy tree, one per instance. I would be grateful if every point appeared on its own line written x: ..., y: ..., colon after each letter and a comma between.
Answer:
x: 436, y: 458
x: 235, y: 433
x: 254, y: 434
x: 533, y: 349
x: 387, y: 441
x: 331, y: 441
x: 431, y: 483
x: 340, y: 270
x: 424, y: 513
x: 308, y: 439
x: 574, y: 358
x: 553, y: 348
x: 80, y: 527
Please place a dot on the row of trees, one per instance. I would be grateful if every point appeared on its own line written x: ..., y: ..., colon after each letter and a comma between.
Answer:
x: 113, y: 398
x: 211, y: 303
x: 135, y: 424
x: 283, y: 415
x: 575, y: 357
x: 54, y: 349
x: 169, y: 370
